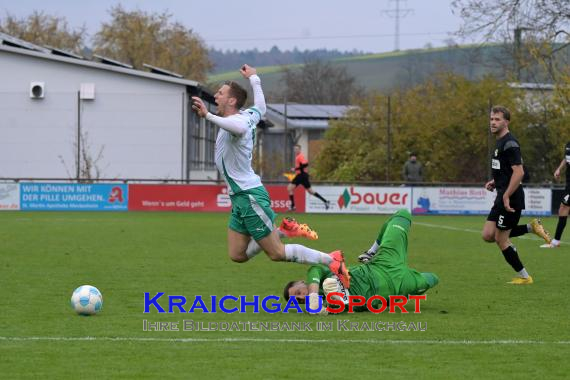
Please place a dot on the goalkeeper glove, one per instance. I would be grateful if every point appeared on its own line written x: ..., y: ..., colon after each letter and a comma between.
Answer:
x: 334, y: 285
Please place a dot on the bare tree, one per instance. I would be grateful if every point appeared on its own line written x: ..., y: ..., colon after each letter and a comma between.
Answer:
x: 536, y: 31
x: 318, y: 82
x: 548, y: 19
x: 89, y: 163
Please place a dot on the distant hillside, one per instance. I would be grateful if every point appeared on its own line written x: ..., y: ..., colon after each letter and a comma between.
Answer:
x: 228, y: 60
x: 384, y: 72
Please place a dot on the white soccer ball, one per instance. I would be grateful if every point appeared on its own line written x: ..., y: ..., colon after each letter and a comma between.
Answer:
x: 87, y: 300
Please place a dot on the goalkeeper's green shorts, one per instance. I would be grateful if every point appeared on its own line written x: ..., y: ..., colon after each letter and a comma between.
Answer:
x: 391, y: 262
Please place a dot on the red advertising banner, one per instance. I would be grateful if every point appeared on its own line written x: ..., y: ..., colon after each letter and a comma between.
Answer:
x: 280, y: 198
x: 201, y: 198
x: 178, y: 198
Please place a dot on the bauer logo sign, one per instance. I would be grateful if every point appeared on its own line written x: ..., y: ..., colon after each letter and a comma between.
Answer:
x: 360, y: 200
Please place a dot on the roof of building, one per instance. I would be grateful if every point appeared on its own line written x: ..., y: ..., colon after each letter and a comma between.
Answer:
x: 310, y: 111
x: 306, y: 116
x: 532, y: 86
x: 15, y: 45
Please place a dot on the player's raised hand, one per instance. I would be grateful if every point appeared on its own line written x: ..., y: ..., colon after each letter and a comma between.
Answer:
x: 247, y: 71
x: 199, y: 106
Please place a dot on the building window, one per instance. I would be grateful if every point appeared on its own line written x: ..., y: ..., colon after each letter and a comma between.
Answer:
x: 201, y: 143
x: 316, y: 134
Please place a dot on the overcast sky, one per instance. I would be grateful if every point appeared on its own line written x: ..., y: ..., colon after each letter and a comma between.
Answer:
x: 305, y: 24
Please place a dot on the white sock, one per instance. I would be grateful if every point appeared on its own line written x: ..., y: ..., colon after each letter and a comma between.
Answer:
x: 252, y: 249
x: 528, y: 227
x: 523, y: 273
x: 303, y: 255
x: 374, y: 247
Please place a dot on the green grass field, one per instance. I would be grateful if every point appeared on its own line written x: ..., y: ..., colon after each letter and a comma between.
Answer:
x: 477, y: 325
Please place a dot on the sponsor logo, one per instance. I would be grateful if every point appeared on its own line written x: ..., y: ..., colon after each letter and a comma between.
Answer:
x: 223, y: 199
x: 280, y: 203
x: 116, y: 195
x: 7, y: 190
x: 352, y: 197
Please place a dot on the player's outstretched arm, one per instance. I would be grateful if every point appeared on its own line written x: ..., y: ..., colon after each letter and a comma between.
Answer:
x: 232, y: 125
x: 258, y: 97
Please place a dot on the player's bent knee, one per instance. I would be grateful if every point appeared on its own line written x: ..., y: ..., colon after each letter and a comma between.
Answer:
x: 276, y: 252
x: 404, y: 213
x: 239, y: 258
x: 488, y: 237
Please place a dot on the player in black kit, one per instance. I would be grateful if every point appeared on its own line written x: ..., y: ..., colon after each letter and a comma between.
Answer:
x: 565, y: 204
x: 508, y: 172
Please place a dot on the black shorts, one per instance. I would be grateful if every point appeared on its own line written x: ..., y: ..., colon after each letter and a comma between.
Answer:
x: 566, y: 197
x: 302, y: 179
x: 504, y: 220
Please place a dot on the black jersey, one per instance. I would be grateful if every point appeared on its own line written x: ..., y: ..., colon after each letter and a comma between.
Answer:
x: 506, y: 155
x: 567, y: 156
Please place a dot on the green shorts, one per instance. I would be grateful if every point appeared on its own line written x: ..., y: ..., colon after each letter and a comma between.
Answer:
x: 251, y: 213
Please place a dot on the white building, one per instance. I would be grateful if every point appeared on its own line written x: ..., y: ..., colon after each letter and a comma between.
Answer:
x: 65, y: 117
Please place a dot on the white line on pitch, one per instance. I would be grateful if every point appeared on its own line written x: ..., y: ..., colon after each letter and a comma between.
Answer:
x: 264, y: 340
x: 473, y: 231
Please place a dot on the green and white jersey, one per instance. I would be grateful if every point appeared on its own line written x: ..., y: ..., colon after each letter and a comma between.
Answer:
x: 235, y: 142
x: 234, y: 153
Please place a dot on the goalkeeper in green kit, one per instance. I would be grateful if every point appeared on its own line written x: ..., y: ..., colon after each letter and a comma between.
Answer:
x: 384, y: 270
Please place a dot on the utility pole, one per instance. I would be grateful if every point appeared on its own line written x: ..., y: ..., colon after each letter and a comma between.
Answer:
x: 388, y: 139
x: 397, y: 13
x: 518, y: 50
x: 286, y: 163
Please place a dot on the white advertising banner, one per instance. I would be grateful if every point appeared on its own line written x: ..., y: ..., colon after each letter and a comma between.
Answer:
x: 9, y: 196
x: 538, y: 201
x: 359, y: 199
x: 473, y: 200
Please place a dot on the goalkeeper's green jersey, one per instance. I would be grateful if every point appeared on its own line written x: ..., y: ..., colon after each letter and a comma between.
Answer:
x: 364, y: 281
x: 387, y: 273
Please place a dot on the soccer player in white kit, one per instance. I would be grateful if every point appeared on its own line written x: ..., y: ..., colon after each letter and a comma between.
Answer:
x: 251, y: 226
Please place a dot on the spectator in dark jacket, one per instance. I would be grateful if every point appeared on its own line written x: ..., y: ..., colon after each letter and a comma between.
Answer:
x: 413, y: 170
